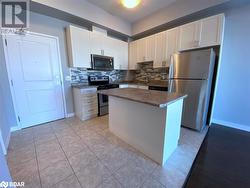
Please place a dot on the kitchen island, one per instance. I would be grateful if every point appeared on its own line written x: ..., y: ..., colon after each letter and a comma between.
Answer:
x: 150, y: 121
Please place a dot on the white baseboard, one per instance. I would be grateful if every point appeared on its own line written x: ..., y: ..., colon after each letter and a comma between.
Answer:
x: 232, y: 125
x: 16, y: 128
x: 70, y: 115
x: 2, y: 144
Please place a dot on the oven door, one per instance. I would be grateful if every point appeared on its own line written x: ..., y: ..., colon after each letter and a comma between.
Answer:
x: 103, y: 100
x: 103, y: 105
x: 102, y: 62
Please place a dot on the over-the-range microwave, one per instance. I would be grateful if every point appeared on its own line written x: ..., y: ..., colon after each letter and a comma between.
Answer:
x: 99, y: 62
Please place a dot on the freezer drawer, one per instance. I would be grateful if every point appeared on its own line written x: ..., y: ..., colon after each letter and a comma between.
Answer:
x: 197, y: 102
x: 192, y: 65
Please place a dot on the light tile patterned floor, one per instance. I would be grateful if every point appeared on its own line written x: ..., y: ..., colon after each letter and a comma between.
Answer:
x: 71, y: 153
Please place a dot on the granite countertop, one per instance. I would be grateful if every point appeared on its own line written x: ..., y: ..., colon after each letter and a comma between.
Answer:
x: 151, y: 83
x: 155, y: 98
x: 82, y: 86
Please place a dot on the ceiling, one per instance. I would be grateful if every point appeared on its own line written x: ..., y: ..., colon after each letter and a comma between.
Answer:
x: 145, y: 8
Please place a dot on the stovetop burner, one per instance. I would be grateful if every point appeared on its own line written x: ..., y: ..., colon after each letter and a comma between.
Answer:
x: 102, y: 82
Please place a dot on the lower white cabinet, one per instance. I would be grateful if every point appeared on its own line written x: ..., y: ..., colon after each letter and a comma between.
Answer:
x: 85, y: 103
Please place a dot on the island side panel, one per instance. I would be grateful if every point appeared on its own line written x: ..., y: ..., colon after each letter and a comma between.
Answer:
x: 173, y: 128
x: 140, y: 125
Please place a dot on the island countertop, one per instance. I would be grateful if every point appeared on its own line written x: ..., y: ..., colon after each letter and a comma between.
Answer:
x: 155, y: 98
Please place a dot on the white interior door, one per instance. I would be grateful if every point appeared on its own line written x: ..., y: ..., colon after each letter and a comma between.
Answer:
x: 34, y: 68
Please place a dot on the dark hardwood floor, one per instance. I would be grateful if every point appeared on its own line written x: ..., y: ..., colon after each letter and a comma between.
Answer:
x: 223, y: 160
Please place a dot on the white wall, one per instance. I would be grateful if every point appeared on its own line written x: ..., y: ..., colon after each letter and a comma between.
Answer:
x: 4, y: 172
x: 7, y: 115
x: 86, y: 10
x: 232, y: 103
x: 177, y: 9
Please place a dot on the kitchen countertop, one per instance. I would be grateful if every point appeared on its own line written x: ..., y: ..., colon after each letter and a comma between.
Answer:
x: 155, y: 98
x: 151, y: 83
x: 82, y: 86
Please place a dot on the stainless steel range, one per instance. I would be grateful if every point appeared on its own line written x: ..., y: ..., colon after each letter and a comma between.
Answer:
x: 102, y: 83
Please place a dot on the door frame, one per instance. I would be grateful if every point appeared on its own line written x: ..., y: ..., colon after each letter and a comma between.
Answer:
x: 19, y: 125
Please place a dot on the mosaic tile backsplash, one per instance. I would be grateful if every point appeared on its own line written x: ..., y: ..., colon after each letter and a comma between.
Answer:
x: 80, y: 75
x: 145, y: 73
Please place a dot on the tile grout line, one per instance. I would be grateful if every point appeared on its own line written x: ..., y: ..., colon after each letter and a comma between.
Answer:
x: 111, y: 173
x: 67, y: 160
x: 37, y: 159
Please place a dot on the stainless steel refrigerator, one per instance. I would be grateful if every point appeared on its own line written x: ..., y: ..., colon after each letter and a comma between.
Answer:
x: 191, y: 73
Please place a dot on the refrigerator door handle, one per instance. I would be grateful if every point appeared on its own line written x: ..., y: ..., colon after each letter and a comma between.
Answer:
x: 171, y: 69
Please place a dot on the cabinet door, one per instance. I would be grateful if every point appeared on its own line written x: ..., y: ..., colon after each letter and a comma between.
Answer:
x: 141, y: 50
x: 124, y: 55
x: 133, y: 55
x: 160, y: 49
x: 172, y: 43
x: 78, y: 40
x: 109, y: 46
x: 96, y: 44
x: 189, y: 36
x: 150, y: 48
x: 121, y: 55
x: 211, y: 30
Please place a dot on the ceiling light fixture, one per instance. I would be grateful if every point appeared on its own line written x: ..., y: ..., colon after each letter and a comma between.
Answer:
x: 130, y: 3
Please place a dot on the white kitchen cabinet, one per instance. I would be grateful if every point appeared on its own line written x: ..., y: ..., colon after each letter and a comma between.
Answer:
x: 85, y: 103
x: 203, y: 33
x: 160, y: 49
x: 97, y: 43
x: 133, y: 55
x: 172, y: 44
x: 211, y: 30
x: 141, y: 50
x: 121, y: 55
x: 78, y: 41
x: 189, y: 36
x: 150, y: 48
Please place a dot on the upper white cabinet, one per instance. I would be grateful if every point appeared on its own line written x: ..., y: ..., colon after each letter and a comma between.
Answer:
x: 78, y: 41
x: 82, y: 43
x: 96, y: 44
x: 202, y: 33
x: 150, y: 48
x: 189, y: 35
x: 160, y: 49
x: 211, y: 31
x: 133, y: 55
x: 121, y: 55
x: 141, y: 47
x: 172, y: 43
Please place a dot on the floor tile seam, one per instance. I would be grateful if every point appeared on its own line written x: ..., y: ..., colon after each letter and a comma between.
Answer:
x: 69, y: 163
x: 38, y: 167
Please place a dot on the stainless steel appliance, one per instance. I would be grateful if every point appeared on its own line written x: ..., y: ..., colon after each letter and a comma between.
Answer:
x: 102, y: 83
x: 100, y: 62
x: 192, y: 73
